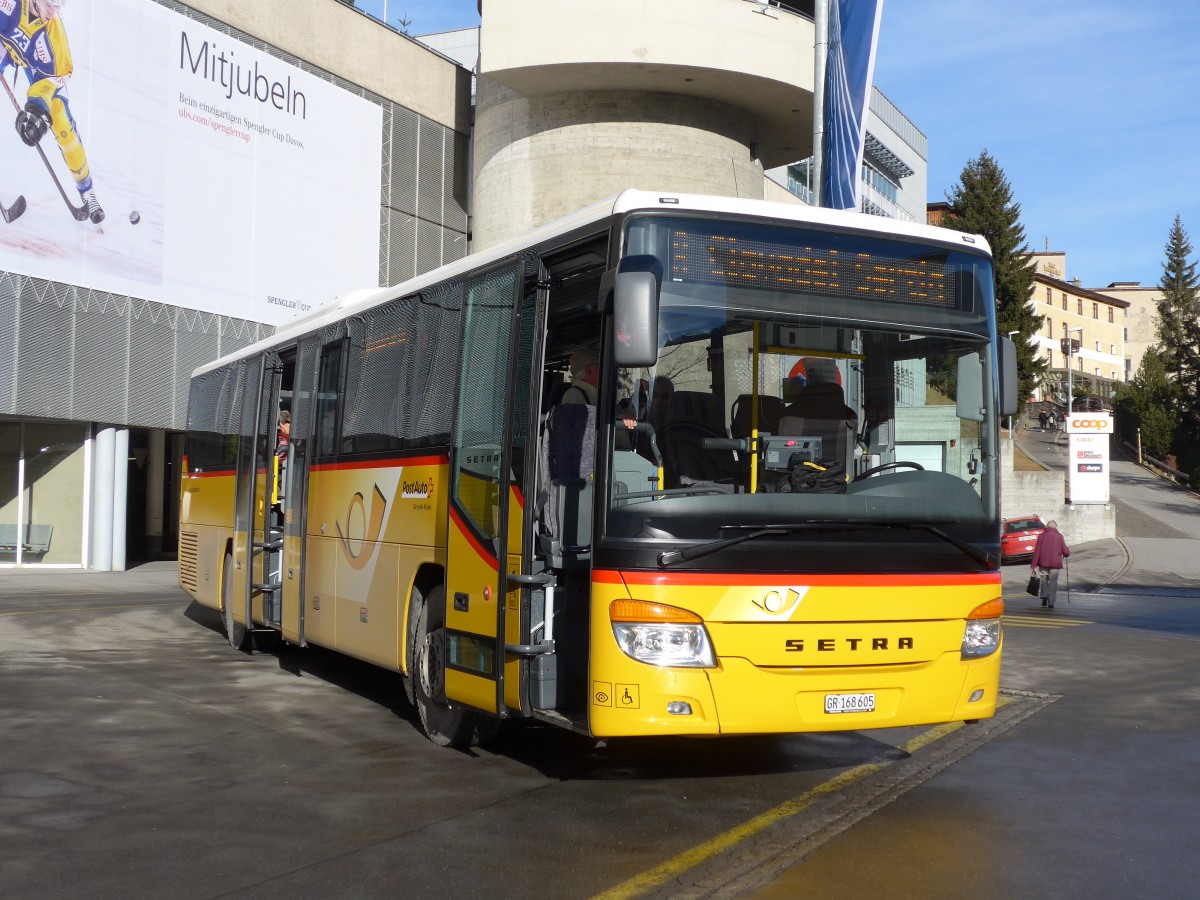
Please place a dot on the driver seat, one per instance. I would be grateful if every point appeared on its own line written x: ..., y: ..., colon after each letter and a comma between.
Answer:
x: 820, y: 410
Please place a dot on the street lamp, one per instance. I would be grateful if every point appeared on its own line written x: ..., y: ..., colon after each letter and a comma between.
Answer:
x: 1070, y: 351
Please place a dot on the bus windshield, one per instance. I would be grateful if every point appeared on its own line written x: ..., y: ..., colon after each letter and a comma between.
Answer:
x: 805, y: 379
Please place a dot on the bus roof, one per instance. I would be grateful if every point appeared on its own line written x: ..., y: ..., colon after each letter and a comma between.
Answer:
x: 360, y: 300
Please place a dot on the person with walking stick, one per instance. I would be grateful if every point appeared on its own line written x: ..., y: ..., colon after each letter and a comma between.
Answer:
x: 1048, y: 555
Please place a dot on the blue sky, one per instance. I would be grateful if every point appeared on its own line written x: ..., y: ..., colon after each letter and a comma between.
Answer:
x: 1091, y: 107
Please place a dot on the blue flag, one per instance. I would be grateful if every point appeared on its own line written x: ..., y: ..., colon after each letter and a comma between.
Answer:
x: 853, y: 34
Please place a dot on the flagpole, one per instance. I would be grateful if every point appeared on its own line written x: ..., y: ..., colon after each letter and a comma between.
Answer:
x: 820, y: 61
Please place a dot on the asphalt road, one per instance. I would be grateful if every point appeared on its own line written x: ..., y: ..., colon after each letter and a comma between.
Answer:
x: 142, y: 757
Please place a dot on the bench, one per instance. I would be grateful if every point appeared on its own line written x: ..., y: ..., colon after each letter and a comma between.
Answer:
x: 36, y: 540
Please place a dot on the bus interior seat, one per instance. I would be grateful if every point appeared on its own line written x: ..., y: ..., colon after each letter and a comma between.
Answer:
x: 741, y: 421
x: 820, y: 410
x: 691, y: 417
x: 741, y: 415
x: 568, y: 453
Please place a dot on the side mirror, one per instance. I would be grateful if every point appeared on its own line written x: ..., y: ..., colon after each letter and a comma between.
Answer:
x: 1009, y: 398
x: 635, y: 318
x: 969, y: 404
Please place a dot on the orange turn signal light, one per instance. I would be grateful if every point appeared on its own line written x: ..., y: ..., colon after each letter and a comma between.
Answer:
x: 645, y: 611
x: 993, y: 609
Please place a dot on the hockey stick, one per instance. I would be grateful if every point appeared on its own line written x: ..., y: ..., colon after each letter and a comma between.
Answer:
x: 12, y: 213
x: 79, y: 212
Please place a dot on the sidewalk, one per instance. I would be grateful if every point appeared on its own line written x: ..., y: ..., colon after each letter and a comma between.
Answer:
x: 157, y: 575
x: 1090, y: 566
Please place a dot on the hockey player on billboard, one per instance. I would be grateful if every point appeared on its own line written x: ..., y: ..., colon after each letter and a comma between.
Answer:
x: 35, y: 41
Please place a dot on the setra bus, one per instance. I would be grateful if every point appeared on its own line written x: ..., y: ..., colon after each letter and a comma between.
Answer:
x: 772, y: 505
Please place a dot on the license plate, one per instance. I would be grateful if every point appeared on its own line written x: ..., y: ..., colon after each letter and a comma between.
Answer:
x: 1029, y: 537
x: 849, y: 703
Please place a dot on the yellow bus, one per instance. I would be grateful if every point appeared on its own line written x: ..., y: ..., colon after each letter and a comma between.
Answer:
x: 673, y: 465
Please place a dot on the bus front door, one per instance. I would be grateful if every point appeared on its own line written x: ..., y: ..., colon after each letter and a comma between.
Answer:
x: 487, y: 458
x: 257, y: 529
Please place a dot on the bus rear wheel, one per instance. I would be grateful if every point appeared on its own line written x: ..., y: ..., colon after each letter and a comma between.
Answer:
x: 445, y: 725
x: 237, y: 633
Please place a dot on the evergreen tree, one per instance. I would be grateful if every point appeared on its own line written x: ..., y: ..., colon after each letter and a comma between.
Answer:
x: 982, y: 203
x: 1148, y: 403
x: 1178, y: 327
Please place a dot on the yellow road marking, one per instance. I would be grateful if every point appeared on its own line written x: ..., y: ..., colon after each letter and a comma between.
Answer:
x: 46, y: 612
x: 1045, y: 620
x: 689, y: 859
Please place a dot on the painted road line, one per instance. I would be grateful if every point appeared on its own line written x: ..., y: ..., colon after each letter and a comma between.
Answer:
x: 1043, y: 620
x: 750, y: 854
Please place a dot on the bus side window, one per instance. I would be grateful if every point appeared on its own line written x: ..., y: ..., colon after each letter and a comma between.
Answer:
x: 325, y: 435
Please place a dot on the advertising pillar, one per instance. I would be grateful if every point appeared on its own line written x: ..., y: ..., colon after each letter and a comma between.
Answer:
x: 1087, y: 457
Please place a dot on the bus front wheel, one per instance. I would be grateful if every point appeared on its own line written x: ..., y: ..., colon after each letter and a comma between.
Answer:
x: 236, y: 632
x: 446, y: 725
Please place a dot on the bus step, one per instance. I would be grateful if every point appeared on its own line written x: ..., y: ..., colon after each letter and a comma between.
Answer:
x: 268, y: 545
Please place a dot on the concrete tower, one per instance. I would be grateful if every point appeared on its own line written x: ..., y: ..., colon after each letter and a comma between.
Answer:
x: 578, y: 99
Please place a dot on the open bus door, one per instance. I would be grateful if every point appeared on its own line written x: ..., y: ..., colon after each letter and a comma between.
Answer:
x: 485, y: 549
x: 252, y: 582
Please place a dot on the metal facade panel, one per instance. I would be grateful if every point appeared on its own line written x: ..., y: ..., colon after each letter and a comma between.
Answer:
x: 151, y: 365
x: 431, y: 187
x: 403, y: 160
x: 10, y: 323
x: 402, y: 253
x: 429, y: 246
x: 44, y: 377
x: 101, y: 358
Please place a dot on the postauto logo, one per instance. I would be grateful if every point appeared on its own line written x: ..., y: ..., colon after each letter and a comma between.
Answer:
x: 1090, y: 423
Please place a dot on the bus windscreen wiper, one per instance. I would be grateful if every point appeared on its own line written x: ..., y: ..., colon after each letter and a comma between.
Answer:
x: 671, y: 557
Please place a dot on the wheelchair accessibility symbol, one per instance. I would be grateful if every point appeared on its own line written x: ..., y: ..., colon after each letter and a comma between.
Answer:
x: 622, y: 696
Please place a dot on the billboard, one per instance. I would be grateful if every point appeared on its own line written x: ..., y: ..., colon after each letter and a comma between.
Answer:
x: 231, y: 181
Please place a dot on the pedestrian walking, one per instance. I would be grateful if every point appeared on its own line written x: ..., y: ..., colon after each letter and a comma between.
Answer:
x: 1042, y: 420
x: 1048, y: 555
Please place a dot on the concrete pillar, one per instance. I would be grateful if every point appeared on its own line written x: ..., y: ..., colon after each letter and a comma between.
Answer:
x: 120, y: 479
x: 102, y: 499
x: 155, y: 485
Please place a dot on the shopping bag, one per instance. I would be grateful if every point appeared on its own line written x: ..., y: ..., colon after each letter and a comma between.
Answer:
x: 1035, y: 586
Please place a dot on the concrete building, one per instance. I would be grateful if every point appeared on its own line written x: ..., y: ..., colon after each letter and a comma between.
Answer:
x: 572, y: 102
x: 1141, y: 319
x: 94, y: 382
x: 1093, y: 321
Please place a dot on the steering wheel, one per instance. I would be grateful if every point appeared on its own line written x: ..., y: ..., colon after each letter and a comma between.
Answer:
x: 892, y: 465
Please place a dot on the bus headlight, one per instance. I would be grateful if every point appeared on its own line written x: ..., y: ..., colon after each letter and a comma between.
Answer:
x: 981, y: 636
x: 661, y: 635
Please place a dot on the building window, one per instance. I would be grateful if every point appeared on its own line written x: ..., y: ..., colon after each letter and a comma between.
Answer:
x: 1049, y: 328
x: 1110, y: 314
x: 1114, y: 375
x: 1049, y: 297
x: 1112, y: 349
x: 1064, y: 300
x: 1080, y: 358
x: 1097, y: 370
x: 1050, y: 358
x: 1097, y: 346
x: 1095, y: 310
x: 1079, y: 306
x: 1125, y: 333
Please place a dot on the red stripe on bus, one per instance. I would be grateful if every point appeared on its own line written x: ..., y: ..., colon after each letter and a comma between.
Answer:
x: 708, y: 579
x: 391, y: 463
x: 465, y: 530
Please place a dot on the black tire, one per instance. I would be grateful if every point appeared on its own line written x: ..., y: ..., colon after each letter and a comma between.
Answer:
x: 237, y: 634
x: 445, y: 725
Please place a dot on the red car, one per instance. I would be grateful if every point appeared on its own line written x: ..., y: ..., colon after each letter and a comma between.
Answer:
x: 1018, y: 537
